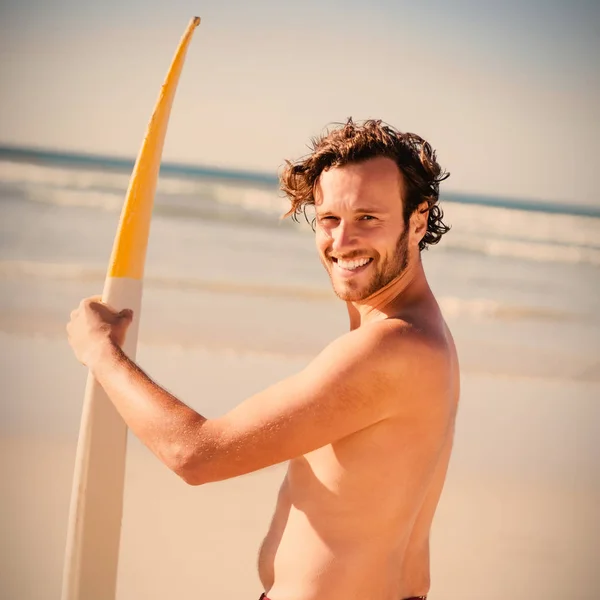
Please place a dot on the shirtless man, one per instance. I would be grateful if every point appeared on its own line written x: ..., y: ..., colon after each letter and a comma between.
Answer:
x: 367, y: 426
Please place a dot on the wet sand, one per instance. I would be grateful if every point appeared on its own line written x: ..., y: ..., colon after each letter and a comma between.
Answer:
x: 518, y: 517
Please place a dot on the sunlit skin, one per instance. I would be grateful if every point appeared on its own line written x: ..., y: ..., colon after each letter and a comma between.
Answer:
x: 367, y: 426
x: 359, y: 215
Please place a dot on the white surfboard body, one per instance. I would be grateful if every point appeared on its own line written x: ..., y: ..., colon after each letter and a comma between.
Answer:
x: 94, y: 528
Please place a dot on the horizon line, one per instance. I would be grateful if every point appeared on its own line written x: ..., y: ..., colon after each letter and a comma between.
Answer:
x: 80, y: 159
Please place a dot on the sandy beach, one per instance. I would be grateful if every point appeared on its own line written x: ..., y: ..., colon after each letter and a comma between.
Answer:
x: 518, y: 517
x: 233, y: 304
x: 235, y: 297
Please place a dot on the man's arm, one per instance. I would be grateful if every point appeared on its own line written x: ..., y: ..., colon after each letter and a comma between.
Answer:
x: 355, y: 382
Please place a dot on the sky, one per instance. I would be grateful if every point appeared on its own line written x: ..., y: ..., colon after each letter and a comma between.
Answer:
x: 507, y: 92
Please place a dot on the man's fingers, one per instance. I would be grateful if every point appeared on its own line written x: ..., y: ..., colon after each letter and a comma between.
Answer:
x: 98, y: 300
x: 127, y: 314
x: 103, y: 310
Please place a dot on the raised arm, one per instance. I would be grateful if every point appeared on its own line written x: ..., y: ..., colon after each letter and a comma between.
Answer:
x: 355, y: 382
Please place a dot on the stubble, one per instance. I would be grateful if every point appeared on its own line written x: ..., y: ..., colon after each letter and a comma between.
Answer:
x: 384, y: 273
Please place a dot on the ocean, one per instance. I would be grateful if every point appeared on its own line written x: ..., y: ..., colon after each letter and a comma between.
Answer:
x: 509, y: 273
x: 234, y: 299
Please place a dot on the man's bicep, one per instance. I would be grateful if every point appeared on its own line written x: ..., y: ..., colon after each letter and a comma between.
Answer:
x: 337, y: 394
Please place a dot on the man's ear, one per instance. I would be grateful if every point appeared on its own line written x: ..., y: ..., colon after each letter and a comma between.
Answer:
x: 418, y: 221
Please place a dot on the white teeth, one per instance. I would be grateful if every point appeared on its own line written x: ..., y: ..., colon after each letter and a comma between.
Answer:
x: 350, y: 265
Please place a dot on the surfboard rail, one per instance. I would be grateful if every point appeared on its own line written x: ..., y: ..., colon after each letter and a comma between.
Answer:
x: 94, y: 526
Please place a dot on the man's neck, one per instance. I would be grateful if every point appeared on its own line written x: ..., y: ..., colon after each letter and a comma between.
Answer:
x: 407, y: 289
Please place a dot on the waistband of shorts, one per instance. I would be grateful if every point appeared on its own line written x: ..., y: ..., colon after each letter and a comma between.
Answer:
x: 263, y: 596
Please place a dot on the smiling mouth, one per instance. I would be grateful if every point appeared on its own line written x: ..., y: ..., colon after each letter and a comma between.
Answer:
x: 351, y: 266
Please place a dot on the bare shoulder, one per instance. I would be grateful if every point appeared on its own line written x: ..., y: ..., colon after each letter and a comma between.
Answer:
x: 401, y: 360
x: 431, y: 348
x: 392, y: 344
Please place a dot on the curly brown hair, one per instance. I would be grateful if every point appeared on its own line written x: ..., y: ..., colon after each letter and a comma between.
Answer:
x: 351, y: 143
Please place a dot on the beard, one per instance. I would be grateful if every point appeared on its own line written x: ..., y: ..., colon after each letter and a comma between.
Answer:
x: 383, y: 274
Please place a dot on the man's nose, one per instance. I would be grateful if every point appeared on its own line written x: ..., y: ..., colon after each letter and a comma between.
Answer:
x: 343, y: 237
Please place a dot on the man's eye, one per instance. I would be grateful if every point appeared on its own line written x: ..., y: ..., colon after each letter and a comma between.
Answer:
x: 367, y: 218
x: 328, y: 218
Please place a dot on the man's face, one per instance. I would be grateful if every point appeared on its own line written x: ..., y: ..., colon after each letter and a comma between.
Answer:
x: 360, y: 231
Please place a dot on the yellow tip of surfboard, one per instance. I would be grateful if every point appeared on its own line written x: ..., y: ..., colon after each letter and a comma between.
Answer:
x: 129, y: 251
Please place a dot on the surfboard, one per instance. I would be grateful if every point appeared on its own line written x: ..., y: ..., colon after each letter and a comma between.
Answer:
x: 94, y: 526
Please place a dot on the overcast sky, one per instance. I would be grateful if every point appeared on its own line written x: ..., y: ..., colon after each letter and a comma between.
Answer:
x: 508, y: 92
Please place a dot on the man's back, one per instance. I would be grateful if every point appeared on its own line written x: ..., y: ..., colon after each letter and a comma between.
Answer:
x: 353, y: 518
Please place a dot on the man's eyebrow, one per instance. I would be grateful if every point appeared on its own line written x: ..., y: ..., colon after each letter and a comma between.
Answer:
x: 367, y: 210
x: 370, y: 211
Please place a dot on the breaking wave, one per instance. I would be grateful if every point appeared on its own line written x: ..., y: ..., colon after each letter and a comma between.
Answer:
x: 504, y: 231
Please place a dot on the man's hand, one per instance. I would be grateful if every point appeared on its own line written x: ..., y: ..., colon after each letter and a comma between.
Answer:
x: 94, y: 326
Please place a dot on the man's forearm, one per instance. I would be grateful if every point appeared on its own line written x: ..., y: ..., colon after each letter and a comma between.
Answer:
x: 169, y: 428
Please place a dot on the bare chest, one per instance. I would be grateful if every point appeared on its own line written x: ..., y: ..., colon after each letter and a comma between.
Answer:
x: 369, y: 479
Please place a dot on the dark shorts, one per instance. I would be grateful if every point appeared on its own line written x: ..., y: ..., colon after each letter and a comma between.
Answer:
x: 264, y: 597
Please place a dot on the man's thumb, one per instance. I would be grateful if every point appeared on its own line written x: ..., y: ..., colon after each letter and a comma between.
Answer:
x: 127, y: 314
